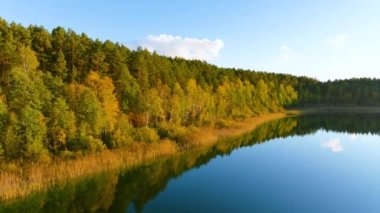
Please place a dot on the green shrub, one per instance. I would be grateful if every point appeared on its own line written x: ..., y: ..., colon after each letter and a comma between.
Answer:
x: 85, y: 142
x: 172, y: 131
x: 67, y: 154
x: 146, y: 134
x: 181, y: 135
x: 122, y: 135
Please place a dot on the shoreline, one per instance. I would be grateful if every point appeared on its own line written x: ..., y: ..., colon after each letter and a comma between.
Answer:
x: 336, y: 109
x: 19, y: 182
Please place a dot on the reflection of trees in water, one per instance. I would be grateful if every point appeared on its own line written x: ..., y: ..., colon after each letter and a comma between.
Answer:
x: 93, y: 194
x: 359, y: 123
x: 115, y: 193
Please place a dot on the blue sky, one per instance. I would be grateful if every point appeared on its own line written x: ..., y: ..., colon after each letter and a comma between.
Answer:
x: 324, y: 39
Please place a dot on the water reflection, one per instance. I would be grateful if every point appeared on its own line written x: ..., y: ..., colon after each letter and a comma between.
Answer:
x: 333, y: 144
x: 353, y: 136
x: 133, y: 189
x: 352, y: 124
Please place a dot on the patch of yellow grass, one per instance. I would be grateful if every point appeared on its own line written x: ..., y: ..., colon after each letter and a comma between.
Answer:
x: 248, y: 125
x: 17, y: 182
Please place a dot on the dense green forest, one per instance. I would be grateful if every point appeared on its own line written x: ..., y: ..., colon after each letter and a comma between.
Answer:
x: 357, y: 91
x: 65, y: 94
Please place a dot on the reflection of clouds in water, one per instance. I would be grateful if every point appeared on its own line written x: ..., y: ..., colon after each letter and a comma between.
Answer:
x: 333, y: 144
x: 353, y: 136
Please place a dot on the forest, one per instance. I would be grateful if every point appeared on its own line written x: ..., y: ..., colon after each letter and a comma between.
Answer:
x: 356, y: 91
x: 63, y: 94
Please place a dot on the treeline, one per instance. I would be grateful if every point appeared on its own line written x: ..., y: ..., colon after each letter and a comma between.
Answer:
x: 63, y: 94
x: 357, y: 91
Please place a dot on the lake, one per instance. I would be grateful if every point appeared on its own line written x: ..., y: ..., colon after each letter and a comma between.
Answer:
x: 310, y: 163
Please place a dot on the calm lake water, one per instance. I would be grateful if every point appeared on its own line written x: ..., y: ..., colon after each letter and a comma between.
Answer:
x: 313, y: 163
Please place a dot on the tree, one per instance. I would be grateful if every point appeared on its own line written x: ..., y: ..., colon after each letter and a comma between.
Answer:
x: 176, y: 104
x: 192, y: 96
x: 222, y: 100
x: 58, y: 38
x: 153, y: 104
x: 128, y: 90
x: 97, y: 58
x: 87, y: 108
x: 104, y: 90
x: 8, y: 51
x: 59, y: 65
x: 3, y: 124
x: 23, y: 90
x: 139, y: 68
x: 164, y: 93
x: 3, y: 114
x: 72, y: 50
x: 41, y: 44
x: 29, y: 60
x: 32, y: 131
x: 61, y: 123
x: 262, y: 93
x: 122, y: 135
x: 24, y: 136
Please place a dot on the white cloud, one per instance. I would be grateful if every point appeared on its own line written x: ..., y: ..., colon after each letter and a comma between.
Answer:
x: 337, y: 41
x: 334, y: 145
x: 286, y: 54
x: 189, y: 48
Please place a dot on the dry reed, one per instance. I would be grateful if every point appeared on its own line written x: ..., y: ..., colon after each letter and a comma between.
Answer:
x: 19, y: 181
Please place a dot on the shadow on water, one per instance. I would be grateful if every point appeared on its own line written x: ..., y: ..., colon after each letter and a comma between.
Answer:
x: 131, y: 190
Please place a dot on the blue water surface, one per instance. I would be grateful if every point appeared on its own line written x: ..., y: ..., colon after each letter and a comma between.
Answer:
x: 320, y: 172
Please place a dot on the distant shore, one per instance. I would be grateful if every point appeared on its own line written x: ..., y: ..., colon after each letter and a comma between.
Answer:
x: 335, y: 109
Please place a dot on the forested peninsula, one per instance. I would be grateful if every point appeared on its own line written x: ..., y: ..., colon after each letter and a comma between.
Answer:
x: 64, y: 96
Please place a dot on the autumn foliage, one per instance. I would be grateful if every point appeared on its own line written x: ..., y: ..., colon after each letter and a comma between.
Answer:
x: 64, y: 95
